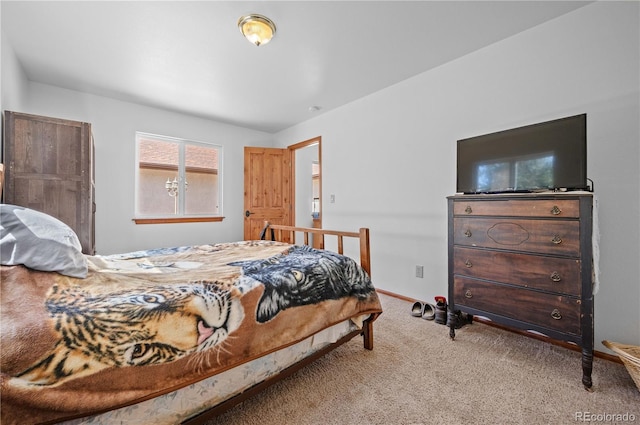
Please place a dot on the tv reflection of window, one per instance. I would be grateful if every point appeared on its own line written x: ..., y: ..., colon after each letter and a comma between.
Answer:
x: 530, y: 172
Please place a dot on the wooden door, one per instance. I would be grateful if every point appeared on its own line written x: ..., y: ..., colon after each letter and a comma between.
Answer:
x: 267, y: 189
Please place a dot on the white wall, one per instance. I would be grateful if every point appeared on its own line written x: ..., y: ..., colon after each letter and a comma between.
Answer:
x: 13, y: 82
x: 389, y: 158
x: 114, y: 124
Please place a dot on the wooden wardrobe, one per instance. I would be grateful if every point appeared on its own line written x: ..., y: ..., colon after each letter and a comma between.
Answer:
x: 49, y: 168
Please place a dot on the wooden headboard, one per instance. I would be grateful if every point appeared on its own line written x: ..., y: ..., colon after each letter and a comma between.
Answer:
x: 278, y: 232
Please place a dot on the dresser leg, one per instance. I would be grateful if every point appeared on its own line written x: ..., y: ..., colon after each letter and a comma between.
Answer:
x: 587, y: 367
x: 452, y: 321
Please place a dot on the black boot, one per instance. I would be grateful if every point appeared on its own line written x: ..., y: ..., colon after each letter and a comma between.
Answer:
x: 441, y: 310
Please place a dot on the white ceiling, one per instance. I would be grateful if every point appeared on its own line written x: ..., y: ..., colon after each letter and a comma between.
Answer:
x: 190, y: 56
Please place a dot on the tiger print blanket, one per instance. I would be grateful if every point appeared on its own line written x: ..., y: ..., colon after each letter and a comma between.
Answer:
x: 146, y: 323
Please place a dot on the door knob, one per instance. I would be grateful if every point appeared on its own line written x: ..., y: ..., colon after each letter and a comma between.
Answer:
x: 247, y: 213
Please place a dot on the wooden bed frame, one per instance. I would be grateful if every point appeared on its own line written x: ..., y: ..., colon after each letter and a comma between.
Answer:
x: 287, y: 233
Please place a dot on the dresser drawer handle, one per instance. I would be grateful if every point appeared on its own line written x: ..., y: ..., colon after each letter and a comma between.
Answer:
x: 555, y: 314
x: 556, y: 239
x: 468, y: 264
x: 467, y: 233
x: 555, y: 277
x: 468, y: 294
x: 556, y: 210
x: 468, y: 210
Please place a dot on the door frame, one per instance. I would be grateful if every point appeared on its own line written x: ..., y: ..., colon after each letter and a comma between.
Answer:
x: 292, y: 149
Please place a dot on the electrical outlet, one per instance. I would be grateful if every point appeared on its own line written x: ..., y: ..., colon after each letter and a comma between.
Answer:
x: 420, y: 271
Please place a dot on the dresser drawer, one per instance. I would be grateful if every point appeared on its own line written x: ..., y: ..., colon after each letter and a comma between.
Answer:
x: 566, y: 208
x: 555, y: 237
x: 554, y: 312
x: 559, y: 275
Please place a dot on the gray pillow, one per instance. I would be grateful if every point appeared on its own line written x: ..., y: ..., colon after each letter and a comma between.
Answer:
x: 39, y: 241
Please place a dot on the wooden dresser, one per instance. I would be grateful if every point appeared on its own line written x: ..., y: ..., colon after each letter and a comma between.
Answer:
x: 525, y: 261
x: 49, y: 168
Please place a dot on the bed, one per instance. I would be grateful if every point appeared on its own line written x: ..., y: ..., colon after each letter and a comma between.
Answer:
x: 171, y: 335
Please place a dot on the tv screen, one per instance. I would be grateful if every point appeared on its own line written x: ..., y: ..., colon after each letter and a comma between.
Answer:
x: 550, y: 155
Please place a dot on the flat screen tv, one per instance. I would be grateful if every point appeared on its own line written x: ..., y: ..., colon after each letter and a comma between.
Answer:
x: 551, y: 155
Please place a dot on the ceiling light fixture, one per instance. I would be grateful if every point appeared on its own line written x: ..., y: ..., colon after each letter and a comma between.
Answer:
x: 257, y: 29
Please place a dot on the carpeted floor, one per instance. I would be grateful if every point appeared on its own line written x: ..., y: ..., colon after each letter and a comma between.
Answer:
x: 417, y: 375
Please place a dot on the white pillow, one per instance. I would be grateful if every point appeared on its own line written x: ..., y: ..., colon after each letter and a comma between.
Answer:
x: 39, y: 241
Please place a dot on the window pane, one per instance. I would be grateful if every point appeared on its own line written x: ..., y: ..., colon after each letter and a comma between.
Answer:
x: 201, y: 196
x: 158, y: 163
x: 535, y: 173
x: 494, y: 176
x: 177, y: 178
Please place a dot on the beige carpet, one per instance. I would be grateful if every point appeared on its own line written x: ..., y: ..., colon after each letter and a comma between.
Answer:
x: 417, y: 375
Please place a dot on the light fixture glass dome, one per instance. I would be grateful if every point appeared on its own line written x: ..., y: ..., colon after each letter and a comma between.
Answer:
x: 257, y: 29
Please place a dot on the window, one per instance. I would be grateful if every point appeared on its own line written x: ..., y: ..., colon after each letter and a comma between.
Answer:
x: 177, y: 180
x: 525, y: 172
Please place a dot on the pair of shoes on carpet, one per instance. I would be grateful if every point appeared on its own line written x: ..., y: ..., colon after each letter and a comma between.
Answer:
x: 424, y: 310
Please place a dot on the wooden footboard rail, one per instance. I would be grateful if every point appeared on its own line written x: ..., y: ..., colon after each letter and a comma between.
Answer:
x: 278, y: 232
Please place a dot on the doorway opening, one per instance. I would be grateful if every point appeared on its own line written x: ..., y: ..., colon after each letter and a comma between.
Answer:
x: 306, y: 165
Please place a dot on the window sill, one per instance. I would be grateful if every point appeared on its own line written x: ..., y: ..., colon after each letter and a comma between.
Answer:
x: 170, y: 220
